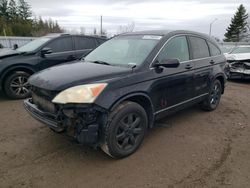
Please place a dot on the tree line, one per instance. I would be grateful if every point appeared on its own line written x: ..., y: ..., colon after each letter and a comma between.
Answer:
x: 16, y: 20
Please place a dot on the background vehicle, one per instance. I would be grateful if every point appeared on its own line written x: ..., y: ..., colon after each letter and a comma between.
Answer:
x: 17, y: 65
x: 124, y: 85
x: 238, y: 63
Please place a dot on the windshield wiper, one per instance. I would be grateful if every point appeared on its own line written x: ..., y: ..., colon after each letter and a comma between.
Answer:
x: 100, y: 62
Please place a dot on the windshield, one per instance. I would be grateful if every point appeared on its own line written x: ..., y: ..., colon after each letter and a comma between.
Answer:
x: 124, y: 50
x: 33, y: 45
x: 239, y: 50
x: 227, y: 49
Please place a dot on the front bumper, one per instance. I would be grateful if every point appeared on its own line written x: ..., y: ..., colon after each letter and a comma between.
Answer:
x: 77, y: 127
x: 44, y: 117
x: 238, y: 74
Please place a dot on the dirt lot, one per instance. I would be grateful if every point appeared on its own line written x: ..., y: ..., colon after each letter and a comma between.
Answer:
x: 190, y: 149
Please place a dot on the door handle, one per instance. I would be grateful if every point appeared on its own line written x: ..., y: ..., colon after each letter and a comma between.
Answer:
x: 188, y: 66
x: 212, y: 62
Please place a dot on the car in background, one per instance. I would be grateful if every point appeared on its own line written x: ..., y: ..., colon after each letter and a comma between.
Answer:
x: 238, y: 63
x: 16, y: 66
x: 114, y: 96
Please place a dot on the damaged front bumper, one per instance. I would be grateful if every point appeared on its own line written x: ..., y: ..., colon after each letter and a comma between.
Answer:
x: 84, y: 122
x: 238, y: 69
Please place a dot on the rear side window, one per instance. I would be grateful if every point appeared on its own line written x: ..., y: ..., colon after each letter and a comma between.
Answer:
x: 61, y: 45
x: 82, y: 43
x: 214, y: 50
x: 176, y: 48
x: 199, y: 47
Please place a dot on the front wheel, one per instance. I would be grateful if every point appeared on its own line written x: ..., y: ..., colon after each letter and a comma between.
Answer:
x: 16, y: 85
x: 125, y: 130
x: 213, y: 99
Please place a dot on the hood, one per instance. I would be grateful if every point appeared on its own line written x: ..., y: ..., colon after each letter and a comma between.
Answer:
x: 8, y: 53
x: 242, y: 56
x: 71, y: 74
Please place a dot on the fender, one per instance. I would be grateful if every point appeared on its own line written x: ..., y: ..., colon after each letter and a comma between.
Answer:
x: 129, y: 95
x: 137, y: 94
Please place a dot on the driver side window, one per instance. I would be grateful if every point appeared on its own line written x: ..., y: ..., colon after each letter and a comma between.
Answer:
x: 176, y: 48
x: 61, y: 45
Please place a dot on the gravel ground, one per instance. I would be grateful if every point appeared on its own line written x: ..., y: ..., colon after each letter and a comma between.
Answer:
x: 189, y: 149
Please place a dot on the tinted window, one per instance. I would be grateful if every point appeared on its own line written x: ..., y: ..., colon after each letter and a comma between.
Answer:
x: 213, y: 49
x: 199, y: 47
x: 82, y: 43
x: 61, y: 45
x: 176, y: 48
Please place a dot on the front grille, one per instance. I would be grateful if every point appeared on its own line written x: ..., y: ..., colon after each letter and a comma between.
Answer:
x: 42, y: 98
x: 46, y: 94
x: 43, y: 104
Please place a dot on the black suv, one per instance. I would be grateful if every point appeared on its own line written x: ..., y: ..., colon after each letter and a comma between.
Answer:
x: 17, y: 65
x: 112, y: 97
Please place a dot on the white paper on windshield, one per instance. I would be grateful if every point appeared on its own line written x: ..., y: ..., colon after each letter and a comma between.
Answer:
x: 151, y: 37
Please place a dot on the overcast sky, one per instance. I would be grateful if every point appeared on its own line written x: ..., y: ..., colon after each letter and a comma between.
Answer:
x: 146, y: 14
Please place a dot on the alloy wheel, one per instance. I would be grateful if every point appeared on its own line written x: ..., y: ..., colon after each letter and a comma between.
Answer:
x: 129, y: 131
x: 215, y: 94
x: 19, y: 85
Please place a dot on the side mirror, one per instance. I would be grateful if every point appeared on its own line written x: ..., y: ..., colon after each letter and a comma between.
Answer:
x: 168, y: 63
x: 45, y: 51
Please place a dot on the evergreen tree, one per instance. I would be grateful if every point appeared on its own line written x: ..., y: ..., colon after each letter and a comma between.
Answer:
x: 238, y: 27
x: 24, y: 10
x: 4, y: 8
x: 12, y: 10
x: 16, y: 20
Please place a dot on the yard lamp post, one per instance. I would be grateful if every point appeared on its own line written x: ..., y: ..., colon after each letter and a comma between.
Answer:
x: 210, y: 28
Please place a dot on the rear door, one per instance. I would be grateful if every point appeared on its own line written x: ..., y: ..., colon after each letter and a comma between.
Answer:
x: 62, y: 51
x: 83, y: 45
x: 202, y: 64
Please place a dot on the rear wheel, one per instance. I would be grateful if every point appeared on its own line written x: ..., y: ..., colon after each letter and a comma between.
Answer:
x: 16, y: 85
x: 213, y: 99
x: 126, y: 130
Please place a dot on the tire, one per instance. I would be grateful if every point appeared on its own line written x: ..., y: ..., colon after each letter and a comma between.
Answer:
x: 213, y: 99
x: 16, y: 85
x: 125, y: 130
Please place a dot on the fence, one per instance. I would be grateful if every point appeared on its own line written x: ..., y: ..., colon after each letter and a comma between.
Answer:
x: 8, y: 42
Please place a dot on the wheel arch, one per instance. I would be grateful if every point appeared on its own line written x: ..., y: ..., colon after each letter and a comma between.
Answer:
x: 222, y: 80
x: 142, y: 99
x: 9, y: 70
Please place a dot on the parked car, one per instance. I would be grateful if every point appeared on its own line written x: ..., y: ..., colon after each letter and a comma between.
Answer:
x: 113, y: 97
x: 17, y: 65
x: 238, y: 63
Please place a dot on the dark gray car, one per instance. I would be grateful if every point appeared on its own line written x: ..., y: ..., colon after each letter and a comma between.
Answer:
x: 17, y: 65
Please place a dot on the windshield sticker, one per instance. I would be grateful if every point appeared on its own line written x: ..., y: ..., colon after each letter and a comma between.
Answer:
x: 151, y: 37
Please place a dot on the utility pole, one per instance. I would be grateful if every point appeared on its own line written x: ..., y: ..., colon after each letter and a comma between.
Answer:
x: 101, y: 26
x: 210, y: 28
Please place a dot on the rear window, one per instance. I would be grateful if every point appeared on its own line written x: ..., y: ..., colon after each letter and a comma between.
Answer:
x: 214, y: 50
x: 199, y: 47
x: 82, y: 43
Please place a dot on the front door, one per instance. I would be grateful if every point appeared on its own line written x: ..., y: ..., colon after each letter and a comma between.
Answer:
x: 62, y: 52
x: 173, y: 86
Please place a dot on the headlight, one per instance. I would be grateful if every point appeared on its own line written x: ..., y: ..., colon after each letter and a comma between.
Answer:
x: 80, y: 94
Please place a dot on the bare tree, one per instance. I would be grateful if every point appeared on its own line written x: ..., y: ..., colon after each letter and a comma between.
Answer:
x: 126, y: 28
